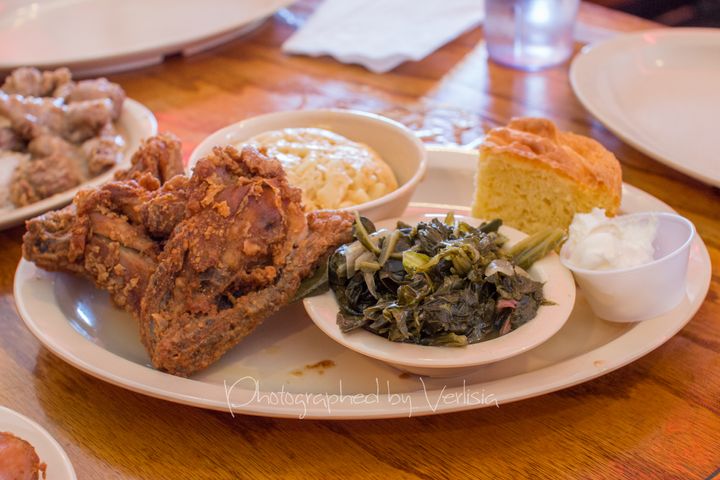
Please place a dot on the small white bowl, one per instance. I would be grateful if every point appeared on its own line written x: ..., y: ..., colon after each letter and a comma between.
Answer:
x: 396, y: 144
x: 645, y: 291
x: 436, y: 361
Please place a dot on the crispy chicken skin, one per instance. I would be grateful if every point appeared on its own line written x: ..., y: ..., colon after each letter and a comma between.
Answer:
x: 192, y: 341
x: 18, y: 459
x: 239, y: 256
x: 161, y: 156
x: 199, y: 261
x: 243, y: 219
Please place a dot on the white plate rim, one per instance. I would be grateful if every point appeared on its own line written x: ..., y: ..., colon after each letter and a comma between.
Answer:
x: 42, y: 440
x: 61, y: 339
x: 550, y: 318
x: 126, y: 59
x: 144, y: 125
x: 584, y: 66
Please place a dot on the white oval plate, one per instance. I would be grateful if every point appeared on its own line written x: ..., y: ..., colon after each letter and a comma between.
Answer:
x: 559, y: 287
x: 658, y: 91
x: 289, y: 368
x: 95, y: 37
x: 135, y: 123
x: 47, y: 448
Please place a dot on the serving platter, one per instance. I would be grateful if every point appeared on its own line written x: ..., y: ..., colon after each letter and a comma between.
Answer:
x: 289, y: 368
x: 47, y: 448
x: 95, y: 37
x: 136, y: 122
x: 657, y: 90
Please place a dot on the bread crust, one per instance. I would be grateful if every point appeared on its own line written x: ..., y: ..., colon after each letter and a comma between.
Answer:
x: 539, y: 142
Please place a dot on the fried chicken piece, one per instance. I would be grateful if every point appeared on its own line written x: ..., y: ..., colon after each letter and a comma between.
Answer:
x: 55, y: 241
x: 242, y: 219
x: 102, y: 235
x: 18, y: 459
x: 192, y: 342
x: 160, y: 156
x: 46, y: 145
x: 31, y: 82
x: 36, y: 178
x: 238, y: 256
x: 119, y: 255
x: 53, y: 167
x: 99, y: 88
x: 56, y: 165
x: 104, y: 151
x: 66, y: 126
x: 31, y: 117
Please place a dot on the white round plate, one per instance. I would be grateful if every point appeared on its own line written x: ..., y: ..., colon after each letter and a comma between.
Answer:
x: 135, y: 123
x: 95, y: 37
x: 559, y: 287
x: 289, y: 368
x: 47, y: 448
x: 658, y: 91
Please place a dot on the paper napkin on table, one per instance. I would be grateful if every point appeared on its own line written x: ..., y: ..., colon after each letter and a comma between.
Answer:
x: 382, y: 34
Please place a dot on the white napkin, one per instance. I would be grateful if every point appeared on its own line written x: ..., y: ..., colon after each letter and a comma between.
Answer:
x: 382, y: 34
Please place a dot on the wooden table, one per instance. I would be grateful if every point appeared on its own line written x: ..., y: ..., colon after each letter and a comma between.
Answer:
x: 656, y: 418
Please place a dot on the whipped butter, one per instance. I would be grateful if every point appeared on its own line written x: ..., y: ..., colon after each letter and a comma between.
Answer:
x: 596, y: 242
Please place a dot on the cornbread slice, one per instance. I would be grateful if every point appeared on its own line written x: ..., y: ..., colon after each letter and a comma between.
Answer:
x: 533, y: 176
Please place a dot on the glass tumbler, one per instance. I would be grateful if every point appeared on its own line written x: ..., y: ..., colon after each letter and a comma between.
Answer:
x: 530, y: 34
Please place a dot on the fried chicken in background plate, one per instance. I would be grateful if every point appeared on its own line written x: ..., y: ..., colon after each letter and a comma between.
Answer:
x: 74, y: 118
x: 31, y: 82
x: 53, y: 166
x: 200, y: 261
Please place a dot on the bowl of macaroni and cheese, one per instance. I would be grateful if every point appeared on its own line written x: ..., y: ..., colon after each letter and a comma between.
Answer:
x: 340, y: 159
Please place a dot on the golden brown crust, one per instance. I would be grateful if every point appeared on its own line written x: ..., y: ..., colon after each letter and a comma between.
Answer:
x: 537, y: 140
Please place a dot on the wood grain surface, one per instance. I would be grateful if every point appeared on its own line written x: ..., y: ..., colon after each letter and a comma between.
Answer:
x: 656, y: 418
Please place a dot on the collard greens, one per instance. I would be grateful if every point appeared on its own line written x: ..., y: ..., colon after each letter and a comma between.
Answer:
x: 437, y: 283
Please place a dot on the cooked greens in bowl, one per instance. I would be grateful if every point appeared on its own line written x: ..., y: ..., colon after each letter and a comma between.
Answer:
x: 440, y: 282
x: 436, y: 359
